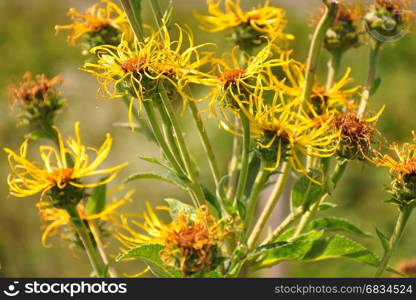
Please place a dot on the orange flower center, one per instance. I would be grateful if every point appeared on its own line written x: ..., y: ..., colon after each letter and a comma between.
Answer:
x: 134, y: 64
x: 62, y: 176
x: 231, y: 76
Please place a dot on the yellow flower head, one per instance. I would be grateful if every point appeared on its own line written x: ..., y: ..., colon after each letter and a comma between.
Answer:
x: 337, y: 97
x: 234, y: 82
x: 57, y: 221
x: 61, y: 167
x: 250, y: 26
x: 402, y: 164
x: 138, y: 68
x: 284, y: 131
x: 96, y: 19
x: 191, y: 241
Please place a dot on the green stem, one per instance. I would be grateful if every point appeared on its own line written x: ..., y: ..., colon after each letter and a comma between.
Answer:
x: 372, y: 71
x: 157, y: 12
x: 395, y: 238
x: 205, y: 142
x: 334, y: 64
x: 271, y: 204
x: 132, y: 9
x: 85, y: 237
x: 148, y: 106
x: 199, y: 193
x: 169, y: 134
x: 242, y: 180
x: 336, y: 176
x: 290, y: 219
x: 232, y: 168
x: 331, y: 9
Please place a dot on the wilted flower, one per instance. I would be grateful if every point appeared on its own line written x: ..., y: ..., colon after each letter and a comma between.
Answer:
x: 357, y: 135
x: 192, y: 242
x: 38, y: 99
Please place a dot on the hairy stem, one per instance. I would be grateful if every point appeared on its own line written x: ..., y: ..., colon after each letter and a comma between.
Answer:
x: 132, y: 8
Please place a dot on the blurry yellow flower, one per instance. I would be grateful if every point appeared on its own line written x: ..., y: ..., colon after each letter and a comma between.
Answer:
x: 267, y: 20
x: 57, y: 221
x: 95, y: 20
x: 337, y: 97
x: 402, y: 164
x: 235, y: 81
x: 192, y: 243
x: 28, y: 178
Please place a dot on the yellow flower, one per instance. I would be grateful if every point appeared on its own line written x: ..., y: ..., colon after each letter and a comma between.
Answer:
x: 139, y: 67
x: 402, y: 164
x: 57, y: 221
x: 191, y: 241
x: 28, y: 178
x: 234, y: 81
x: 96, y: 19
x: 284, y: 131
x: 337, y: 97
x: 266, y: 20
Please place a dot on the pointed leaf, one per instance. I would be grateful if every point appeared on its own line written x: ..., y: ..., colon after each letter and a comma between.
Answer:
x: 338, y: 246
x: 167, y: 177
x: 326, y: 206
x: 150, y: 255
x: 304, y: 193
x: 177, y: 207
x: 336, y: 224
x: 383, y: 239
x: 97, y: 199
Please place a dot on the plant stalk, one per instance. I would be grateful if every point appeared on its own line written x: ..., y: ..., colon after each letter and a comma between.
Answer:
x: 205, y: 142
x: 334, y: 64
x: 84, y: 235
x: 372, y: 71
x: 395, y: 238
x: 331, y: 9
x: 199, y: 193
x: 242, y: 179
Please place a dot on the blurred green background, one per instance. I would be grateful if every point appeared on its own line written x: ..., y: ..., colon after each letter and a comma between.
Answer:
x: 28, y: 43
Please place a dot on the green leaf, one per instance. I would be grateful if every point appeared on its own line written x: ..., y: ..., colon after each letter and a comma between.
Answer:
x: 228, y: 205
x: 155, y: 161
x: 177, y: 207
x: 383, y: 239
x: 304, y: 193
x: 96, y: 201
x: 326, y: 206
x: 149, y: 254
x: 338, y: 246
x: 213, y: 274
x: 167, y: 177
x: 296, y: 249
x: 212, y: 200
x: 269, y: 246
x: 335, y: 224
x: 376, y: 85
